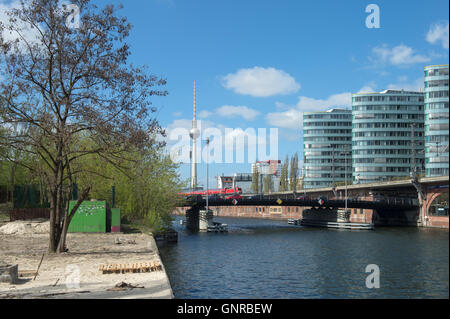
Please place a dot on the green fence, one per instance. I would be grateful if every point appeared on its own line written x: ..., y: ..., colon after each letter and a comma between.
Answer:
x: 115, y: 220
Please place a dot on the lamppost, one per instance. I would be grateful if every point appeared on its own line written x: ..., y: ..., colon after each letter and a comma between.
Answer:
x: 333, y: 184
x: 304, y: 172
x: 207, y: 177
x: 413, y: 152
x: 345, y: 178
x: 437, y: 148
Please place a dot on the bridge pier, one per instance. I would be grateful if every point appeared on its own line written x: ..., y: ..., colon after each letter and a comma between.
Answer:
x: 198, y: 219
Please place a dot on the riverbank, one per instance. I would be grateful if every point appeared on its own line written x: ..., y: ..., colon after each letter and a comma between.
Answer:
x: 76, y: 275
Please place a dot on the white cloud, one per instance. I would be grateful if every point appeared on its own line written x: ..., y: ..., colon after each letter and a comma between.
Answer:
x: 367, y: 89
x: 227, y: 142
x: 438, y: 33
x: 181, y: 123
x: 403, y: 84
x: 204, y: 114
x: 292, y: 118
x: 238, y: 111
x: 177, y: 114
x: 282, y: 106
x: 29, y: 34
x: 307, y: 104
x: 261, y: 82
x: 399, y: 55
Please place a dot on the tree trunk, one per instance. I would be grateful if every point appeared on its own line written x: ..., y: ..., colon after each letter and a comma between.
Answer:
x: 68, y: 219
x: 11, y: 182
x: 52, y: 244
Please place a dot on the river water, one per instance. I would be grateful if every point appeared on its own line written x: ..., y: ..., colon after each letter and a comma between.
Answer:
x: 270, y: 259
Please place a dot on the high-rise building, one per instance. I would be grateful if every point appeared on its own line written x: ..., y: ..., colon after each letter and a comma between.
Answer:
x: 327, y: 147
x: 436, y: 120
x: 383, y: 126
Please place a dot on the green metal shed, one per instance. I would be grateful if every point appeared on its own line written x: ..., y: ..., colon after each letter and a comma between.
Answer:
x: 91, y: 217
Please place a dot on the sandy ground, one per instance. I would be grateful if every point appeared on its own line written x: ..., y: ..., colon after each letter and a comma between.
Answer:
x: 58, y: 274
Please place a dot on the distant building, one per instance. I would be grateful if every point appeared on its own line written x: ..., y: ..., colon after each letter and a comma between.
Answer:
x: 436, y: 120
x: 224, y: 181
x: 383, y: 145
x: 270, y: 167
x: 244, y: 181
x: 326, y: 136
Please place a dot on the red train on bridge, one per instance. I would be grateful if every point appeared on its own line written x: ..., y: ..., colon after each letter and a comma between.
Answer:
x: 222, y: 192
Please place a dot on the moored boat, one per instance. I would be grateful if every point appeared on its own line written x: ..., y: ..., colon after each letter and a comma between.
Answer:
x: 331, y: 218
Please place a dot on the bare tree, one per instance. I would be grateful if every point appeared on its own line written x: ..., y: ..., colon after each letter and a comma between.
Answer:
x: 75, y: 95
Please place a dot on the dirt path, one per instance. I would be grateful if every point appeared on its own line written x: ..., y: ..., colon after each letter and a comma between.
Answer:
x: 75, y: 274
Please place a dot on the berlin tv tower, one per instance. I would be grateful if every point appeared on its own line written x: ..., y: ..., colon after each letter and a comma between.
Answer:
x: 194, y: 134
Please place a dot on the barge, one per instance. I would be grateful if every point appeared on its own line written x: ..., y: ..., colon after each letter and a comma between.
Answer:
x: 332, y: 218
x: 294, y: 221
x: 217, y: 228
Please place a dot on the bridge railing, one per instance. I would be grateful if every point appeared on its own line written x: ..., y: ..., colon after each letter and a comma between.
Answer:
x: 389, y: 203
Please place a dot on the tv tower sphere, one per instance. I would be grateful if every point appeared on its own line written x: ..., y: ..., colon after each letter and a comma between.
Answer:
x: 194, y: 133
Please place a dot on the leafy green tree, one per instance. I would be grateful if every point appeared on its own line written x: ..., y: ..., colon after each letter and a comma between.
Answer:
x: 268, y: 183
x: 255, y: 179
x: 284, y: 178
x: 294, y: 173
x: 68, y: 85
x: 146, y: 191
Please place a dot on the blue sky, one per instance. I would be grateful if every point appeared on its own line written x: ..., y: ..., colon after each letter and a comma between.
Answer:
x: 262, y: 63
x: 318, y: 52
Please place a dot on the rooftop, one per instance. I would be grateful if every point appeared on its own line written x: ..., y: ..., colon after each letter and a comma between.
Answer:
x: 436, y: 66
x: 336, y: 110
x: 390, y: 92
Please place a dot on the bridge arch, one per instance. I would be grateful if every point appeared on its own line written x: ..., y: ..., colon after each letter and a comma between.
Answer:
x: 431, y: 196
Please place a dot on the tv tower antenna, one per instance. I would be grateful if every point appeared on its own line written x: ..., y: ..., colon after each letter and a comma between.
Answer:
x: 194, y: 135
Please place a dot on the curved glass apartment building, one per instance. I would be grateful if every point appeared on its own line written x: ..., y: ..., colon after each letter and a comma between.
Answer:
x: 326, y: 136
x: 381, y: 135
x: 436, y: 120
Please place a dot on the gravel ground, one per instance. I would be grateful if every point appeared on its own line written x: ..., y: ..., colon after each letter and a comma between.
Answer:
x: 59, y: 274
